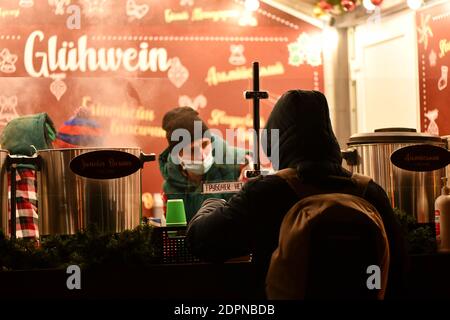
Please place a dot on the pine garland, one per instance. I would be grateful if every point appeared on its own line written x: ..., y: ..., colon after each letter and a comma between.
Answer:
x: 137, y: 247
x: 86, y: 248
x: 420, y: 238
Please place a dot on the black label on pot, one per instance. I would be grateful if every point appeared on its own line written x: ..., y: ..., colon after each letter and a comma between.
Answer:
x: 421, y: 157
x: 105, y: 164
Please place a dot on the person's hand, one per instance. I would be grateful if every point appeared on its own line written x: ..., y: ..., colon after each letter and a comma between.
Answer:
x: 248, y: 165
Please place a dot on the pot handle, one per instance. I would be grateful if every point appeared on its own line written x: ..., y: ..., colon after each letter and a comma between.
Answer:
x: 351, y: 156
x: 15, y: 160
x: 147, y: 158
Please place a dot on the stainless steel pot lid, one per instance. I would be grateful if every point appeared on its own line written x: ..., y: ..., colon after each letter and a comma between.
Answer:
x: 393, y: 135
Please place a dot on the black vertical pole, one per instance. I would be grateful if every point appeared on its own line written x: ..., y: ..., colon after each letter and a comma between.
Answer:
x: 13, y: 202
x: 255, y: 95
x: 256, y: 114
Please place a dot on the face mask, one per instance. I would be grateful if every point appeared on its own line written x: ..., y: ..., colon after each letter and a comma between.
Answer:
x: 198, y: 167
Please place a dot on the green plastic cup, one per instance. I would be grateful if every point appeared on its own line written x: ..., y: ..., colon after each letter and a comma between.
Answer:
x: 175, y: 214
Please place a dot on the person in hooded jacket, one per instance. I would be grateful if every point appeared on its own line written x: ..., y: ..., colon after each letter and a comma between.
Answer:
x: 196, y: 160
x: 250, y: 221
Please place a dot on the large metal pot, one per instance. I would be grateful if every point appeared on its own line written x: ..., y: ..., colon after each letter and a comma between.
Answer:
x: 68, y: 203
x: 3, y: 192
x: 447, y: 141
x: 412, y: 192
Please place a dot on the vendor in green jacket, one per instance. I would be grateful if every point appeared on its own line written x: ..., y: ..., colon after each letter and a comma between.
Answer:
x: 186, y: 164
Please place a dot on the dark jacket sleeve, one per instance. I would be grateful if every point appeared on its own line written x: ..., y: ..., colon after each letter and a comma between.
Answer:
x: 248, y: 223
x: 218, y: 231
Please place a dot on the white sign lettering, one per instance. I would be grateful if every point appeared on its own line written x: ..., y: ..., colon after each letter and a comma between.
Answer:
x: 222, y: 187
x: 70, y: 56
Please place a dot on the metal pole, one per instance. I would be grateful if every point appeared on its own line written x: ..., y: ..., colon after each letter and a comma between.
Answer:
x: 256, y: 123
x: 255, y: 95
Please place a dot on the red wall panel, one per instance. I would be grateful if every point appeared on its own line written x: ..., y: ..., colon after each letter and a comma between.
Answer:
x: 166, y: 53
x: 433, y: 33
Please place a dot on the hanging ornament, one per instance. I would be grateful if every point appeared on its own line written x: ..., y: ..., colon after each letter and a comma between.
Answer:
x: 432, y: 116
x: 349, y: 5
x: 325, y: 6
x: 377, y: 2
x: 58, y: 88
x: 199, y: 102
x: 177, y: 74
x: 60, y: 6
x: 237, y: 57
x: 7, y: 109
x: 318, y: 12
x: 369, y: 5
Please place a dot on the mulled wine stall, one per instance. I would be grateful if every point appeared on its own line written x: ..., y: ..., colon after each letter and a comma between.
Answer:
x: 187, y: 144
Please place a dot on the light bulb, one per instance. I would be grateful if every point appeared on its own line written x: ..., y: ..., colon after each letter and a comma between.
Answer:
x: 330, y: 38
x: 368, y: 5
x: 251, y: 5
x: 414, y: 4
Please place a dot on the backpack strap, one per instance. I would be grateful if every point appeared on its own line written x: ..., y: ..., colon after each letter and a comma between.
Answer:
x: 304, y: 190
x: 362, y: 182
x: 301, y: 190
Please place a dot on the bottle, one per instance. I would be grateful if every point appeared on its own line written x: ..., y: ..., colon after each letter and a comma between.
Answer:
x: 158, y: 208
x: 442, y: 218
